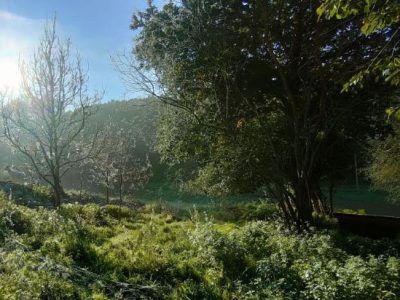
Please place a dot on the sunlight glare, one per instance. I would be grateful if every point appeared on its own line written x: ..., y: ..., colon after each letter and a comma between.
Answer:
x: 9, y: 75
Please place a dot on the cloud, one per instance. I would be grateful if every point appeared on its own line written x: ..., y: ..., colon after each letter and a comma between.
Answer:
x: 6, y: 16
x: 18, y: 35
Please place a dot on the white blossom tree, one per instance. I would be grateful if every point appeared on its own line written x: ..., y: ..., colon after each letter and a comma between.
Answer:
x: 119, y: 167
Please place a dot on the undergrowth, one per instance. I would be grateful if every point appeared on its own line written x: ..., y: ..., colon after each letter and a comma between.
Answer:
x: 112, y: 252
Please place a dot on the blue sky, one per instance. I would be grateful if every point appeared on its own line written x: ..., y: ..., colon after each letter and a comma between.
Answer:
x: 98, y: 29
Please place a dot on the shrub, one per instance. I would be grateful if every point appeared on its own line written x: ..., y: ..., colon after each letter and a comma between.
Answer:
x: 42, y: 192
x: 119, y: 212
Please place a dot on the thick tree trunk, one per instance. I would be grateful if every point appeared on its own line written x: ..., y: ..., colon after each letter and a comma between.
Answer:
x: 304, y: 204
x: 305, y: 176
x: 303, y: 200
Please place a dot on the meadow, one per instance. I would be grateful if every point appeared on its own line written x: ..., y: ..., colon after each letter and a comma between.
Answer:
x: 153, y: 252
x: 347, y: 198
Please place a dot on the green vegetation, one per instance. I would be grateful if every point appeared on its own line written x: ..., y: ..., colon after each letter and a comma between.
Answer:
x: 365, y: 198
x: 378, y: 17
x: 256, y: 96
x: 111, y: 252
x: 385, y: 167
x: 345, y: 197
x: 227, y: 177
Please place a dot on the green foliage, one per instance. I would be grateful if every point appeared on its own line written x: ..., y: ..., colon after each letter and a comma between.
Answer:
x: 257, y: 99
x: 42, y: 192
x: 353, y: 211
x: 379, y: 18
x: 111, y: 252
x: 384, y: 169
x: 376, y: 14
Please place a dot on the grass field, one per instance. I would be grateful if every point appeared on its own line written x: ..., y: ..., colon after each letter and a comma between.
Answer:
x: 162, y: 192
x: 345, y: 197
x: 373, y: 202
x: 111, y: 252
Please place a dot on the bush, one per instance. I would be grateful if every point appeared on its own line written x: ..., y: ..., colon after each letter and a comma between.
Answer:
x: 42, y: 192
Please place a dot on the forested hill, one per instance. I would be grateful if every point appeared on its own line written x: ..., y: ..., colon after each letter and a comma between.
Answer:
x: 139, y: 116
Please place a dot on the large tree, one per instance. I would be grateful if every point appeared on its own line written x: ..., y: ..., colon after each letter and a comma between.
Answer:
x: 46, y: 120
x: 259, y: 84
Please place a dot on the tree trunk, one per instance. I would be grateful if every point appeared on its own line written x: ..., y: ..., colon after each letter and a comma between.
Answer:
x: 120, y: 189
x: 306, y: 198
x: 330, y: 195
x: 80, y: 188
x: 107, y: 187
x: 305, y: 176
x: 304, y: 205
x: 356, y: 172
x: 58, y: 192
x: 108, y: 194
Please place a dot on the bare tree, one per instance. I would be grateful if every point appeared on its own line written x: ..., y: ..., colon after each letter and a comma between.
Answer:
x: 49, y: 117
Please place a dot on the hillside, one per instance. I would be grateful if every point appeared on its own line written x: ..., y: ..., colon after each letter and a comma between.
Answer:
x: 140, y: 115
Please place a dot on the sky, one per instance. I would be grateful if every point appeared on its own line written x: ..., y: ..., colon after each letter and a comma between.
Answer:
x: 97, y: 28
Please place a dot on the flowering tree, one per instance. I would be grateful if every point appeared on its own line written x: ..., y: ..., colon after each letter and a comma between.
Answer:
x: 119, y: 167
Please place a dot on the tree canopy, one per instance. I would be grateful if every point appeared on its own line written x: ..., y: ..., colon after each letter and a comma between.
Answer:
x: 379, y: 17
x: 259, y: 89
